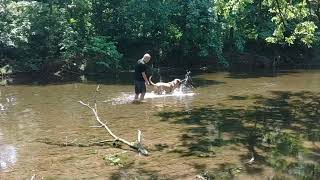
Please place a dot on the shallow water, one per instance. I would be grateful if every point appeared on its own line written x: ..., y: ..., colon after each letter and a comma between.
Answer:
x: 212, y: 131
x: 126, y: 98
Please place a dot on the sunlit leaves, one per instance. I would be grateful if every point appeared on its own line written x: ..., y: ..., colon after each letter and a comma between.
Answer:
x: 306, y: 32
x: 249, y: 18
x: 175, y: 33
x: 15, y: 21
x: 291, y: 20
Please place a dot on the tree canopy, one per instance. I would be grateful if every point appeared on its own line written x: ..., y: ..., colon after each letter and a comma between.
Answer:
x: 103, y: 35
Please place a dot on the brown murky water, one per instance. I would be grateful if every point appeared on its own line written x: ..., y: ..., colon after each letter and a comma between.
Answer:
x: 211, y: 134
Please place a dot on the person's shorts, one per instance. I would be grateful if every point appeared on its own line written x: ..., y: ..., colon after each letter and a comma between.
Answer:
x: 139, y: 87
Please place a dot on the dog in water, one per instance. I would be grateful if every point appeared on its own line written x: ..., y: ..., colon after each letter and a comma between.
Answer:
x: 168, y: 87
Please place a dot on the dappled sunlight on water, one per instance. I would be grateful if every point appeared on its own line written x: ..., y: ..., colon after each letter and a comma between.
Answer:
x: 8, y: 154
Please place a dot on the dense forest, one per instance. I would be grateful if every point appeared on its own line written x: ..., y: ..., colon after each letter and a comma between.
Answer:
x: 50, y: 36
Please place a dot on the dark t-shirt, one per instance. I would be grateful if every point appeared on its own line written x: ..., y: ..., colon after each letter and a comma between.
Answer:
x: 138, y: 69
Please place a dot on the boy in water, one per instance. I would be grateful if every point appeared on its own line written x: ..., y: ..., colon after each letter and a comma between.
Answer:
x: 140, y: 77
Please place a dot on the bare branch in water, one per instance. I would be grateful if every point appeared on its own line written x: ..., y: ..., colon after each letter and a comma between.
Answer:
x: 135, y: 145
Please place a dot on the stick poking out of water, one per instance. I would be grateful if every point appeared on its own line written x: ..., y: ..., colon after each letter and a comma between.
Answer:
x: 135, y: 145
x: 33, y: 177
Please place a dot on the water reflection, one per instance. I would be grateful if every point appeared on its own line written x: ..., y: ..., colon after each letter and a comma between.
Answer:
x: 8, y: 154
x: 5, y: 81
x: 6, y: 100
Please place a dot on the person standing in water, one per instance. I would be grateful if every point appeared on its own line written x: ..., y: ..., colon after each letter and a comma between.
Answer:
x: 140, y: 78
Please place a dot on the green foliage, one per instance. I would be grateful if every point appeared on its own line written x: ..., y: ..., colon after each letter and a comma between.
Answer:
x: 305, y: 31
x: 101, y: 55
x: 48, y: 35
x: 120, y: 159
x: 203, y: 32
x: 15, y: 22
x: 113, y: 160
x: 291, y: 19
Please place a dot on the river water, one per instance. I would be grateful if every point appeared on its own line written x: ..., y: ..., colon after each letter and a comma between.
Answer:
x: 212, y: 131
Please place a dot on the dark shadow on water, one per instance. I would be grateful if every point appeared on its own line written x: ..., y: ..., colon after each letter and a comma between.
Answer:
x: 126, y: 78
x: 259, y: 73
x: 225, y: 171
x: 132, y: 172
x: 160, y: 147
x: 277, y: 125
x: 122, y: 78
x: 238, y: 97
x: 199, y: 82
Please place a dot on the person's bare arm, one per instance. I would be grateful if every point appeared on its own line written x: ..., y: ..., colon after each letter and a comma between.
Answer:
x: 145, y: 78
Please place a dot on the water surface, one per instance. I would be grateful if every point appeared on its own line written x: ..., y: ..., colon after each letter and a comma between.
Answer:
x: 211, y: 132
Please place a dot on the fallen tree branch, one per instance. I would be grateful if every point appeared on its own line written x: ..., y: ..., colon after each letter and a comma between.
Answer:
x: 96, y: 126
x: 104, y: 125
x: 135, y: 145
x: 109, y: 140
x: 33, y: 177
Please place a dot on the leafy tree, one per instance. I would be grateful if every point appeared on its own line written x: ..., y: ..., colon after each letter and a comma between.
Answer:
x: 47, y: 35
x: 101, y: 55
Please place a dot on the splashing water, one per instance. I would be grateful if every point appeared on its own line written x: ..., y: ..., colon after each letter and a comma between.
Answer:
x: 184, y: 91
x: 126, y: 98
